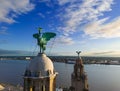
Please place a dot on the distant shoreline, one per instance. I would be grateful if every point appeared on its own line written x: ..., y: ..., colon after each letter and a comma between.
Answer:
x: 100, y: 62
x: 70, y: 59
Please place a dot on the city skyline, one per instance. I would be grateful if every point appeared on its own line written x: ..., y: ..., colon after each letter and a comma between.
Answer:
x: 92, y: 26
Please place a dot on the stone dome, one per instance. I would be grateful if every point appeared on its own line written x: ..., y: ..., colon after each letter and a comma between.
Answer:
x: 41, y: 65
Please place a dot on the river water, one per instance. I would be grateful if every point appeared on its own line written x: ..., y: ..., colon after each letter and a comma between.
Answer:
x: 100, y: 77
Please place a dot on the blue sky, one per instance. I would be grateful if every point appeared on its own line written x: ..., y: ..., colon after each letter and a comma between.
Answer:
x: 92, y: 26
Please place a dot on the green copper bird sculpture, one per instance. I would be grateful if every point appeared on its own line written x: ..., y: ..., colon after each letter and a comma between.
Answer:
x: 43, y: 38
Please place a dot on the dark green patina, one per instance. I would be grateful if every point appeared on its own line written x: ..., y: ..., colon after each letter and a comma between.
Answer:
x: 43, y: 38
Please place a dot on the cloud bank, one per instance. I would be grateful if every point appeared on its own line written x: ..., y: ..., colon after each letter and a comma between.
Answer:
x: 99, y: 29
x: 64, y: 40
x: 10, y: 9
x: 82, y: 12
x: 86, y: 14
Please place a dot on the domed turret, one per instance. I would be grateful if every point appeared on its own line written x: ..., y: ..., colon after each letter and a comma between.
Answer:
x: 40, y: 74
x: 41, y: 65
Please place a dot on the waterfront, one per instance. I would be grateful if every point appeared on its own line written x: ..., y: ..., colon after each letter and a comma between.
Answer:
x: 100, y: 77
x: 71, y: 59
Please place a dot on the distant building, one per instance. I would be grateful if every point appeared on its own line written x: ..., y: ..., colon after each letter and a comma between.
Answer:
x: 27, y: 58
x: 40, y: 75
x: 79, y: 81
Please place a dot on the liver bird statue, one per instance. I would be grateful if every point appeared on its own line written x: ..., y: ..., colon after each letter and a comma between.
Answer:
x: 43, y: 38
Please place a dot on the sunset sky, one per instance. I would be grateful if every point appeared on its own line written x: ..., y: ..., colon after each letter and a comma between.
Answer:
x: 92, y: 26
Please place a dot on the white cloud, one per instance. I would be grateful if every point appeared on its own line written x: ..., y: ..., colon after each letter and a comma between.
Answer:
x: 98, y: 29
x: 64, y: 40
x: 81, y: 12
x: 41, y: 15
x: 11, y: 8
x: 63, y: 2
